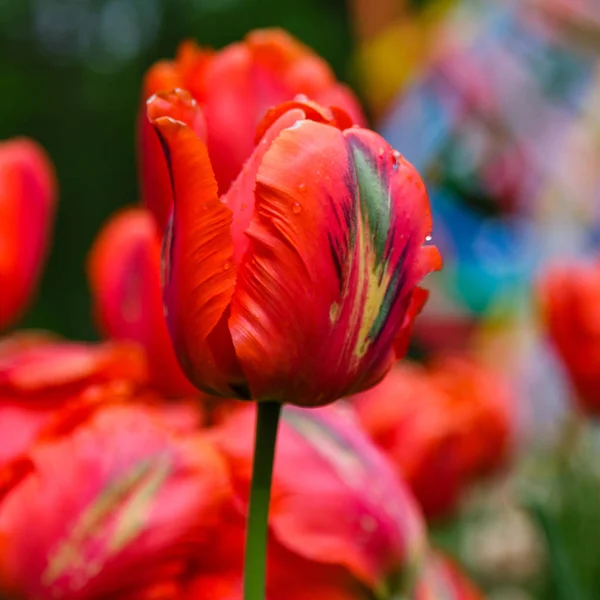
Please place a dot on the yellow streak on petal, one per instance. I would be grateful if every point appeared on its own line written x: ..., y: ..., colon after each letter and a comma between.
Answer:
x: 373, y: 280
x: 135, y: 490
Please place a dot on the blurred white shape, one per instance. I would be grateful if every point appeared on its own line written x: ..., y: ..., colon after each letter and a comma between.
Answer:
x: 119, y: 29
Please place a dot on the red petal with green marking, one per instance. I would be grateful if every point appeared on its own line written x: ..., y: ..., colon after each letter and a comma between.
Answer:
x: 335, y: 253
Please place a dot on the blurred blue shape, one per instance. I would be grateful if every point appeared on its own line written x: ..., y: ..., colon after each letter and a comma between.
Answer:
x: 489, y: 123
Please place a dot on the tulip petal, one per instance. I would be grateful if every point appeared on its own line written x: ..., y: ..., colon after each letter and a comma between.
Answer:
x: 186, y: 72
x: 27, y: 204
x: 199, y: 273
x: 334, y: 256
x: 416, y: 303
x: 54, y: 370
x: 311, y: 110
x: 124, y: 273
x: 240, y: 197
x: 121, y: 506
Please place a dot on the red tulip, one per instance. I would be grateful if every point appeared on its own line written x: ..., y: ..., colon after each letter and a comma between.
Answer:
x: 337, y: 507
x: 27, y: 198
x: 442, y: 580
x: 483, y: 402
x: 122, y: 506
x: 39, y: 376
x: 296, y: 284
x: 234, y: 87
x: 442, y: 427
x: 124, y: 272
x: 570, y: 298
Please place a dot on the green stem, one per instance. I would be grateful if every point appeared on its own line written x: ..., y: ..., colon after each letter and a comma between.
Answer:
x: 267, y: 421
x: 565, y: 580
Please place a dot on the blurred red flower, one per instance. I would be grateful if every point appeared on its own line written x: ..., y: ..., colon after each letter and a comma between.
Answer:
x: 46, y: 383
x: 443, y: 426
x: 234, y: 87
x: 570, y: 300
x: 124, y: 273
x: 341, y: 523
x: 300, y: 284
x: 119, y: 504
x: 27, y: 199
x: 40, y: 376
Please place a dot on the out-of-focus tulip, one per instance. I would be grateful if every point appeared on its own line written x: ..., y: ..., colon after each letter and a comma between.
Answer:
x: 122, y: 506
x: 442, y: 427
x: 300, y: 284
x: 337, y: 506
x: 442, y: 580
x: 483, y: 402
x: 124, y: 272
x: 27, y: 199
x: 39, y: 376
x: 51, y: 370
x: 234, y: 88
x: 570, y: 298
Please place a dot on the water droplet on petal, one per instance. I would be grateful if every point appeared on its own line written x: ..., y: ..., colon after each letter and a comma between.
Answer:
x: 381, y: 151
x: 302, y: 187
x: 223, y: 199
x: 428, y: 238
x: 227, y: 266
x: 296, y: 208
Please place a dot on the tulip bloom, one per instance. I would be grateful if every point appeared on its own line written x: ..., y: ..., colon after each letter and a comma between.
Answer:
x: 124, y: 272
x: 570, y: 296
x: 442, y: 580
x: 122, y: 507
x: 234, y: 88
x: 300, y: 284
x: 442, y: 427
x: 39, y: 376
x: 337, y: 504
x: 27, y: 199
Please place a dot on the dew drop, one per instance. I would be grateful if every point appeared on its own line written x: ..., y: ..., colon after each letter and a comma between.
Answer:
x: 227, y: 266
x: 296, y: 208
x: 428, y: 238
x: 396, y: 156
x: 381, y: 151
x: 302, y: 187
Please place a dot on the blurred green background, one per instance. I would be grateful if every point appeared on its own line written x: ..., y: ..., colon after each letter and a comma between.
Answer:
x: 70, y: 76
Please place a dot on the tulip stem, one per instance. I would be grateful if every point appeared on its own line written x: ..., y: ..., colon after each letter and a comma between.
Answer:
x: 267, y: 422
